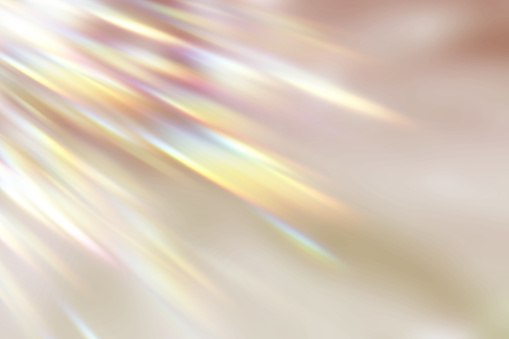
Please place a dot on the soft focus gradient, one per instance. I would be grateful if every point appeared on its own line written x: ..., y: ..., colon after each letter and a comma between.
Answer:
x: 265, y: 169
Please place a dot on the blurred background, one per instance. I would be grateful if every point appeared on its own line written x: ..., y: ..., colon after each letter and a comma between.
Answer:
x: 254, y: 169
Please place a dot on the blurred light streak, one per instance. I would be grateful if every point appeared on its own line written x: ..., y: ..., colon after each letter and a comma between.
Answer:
x: 105, y: 104
x: 306, y: 243
x: 137, y: 27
